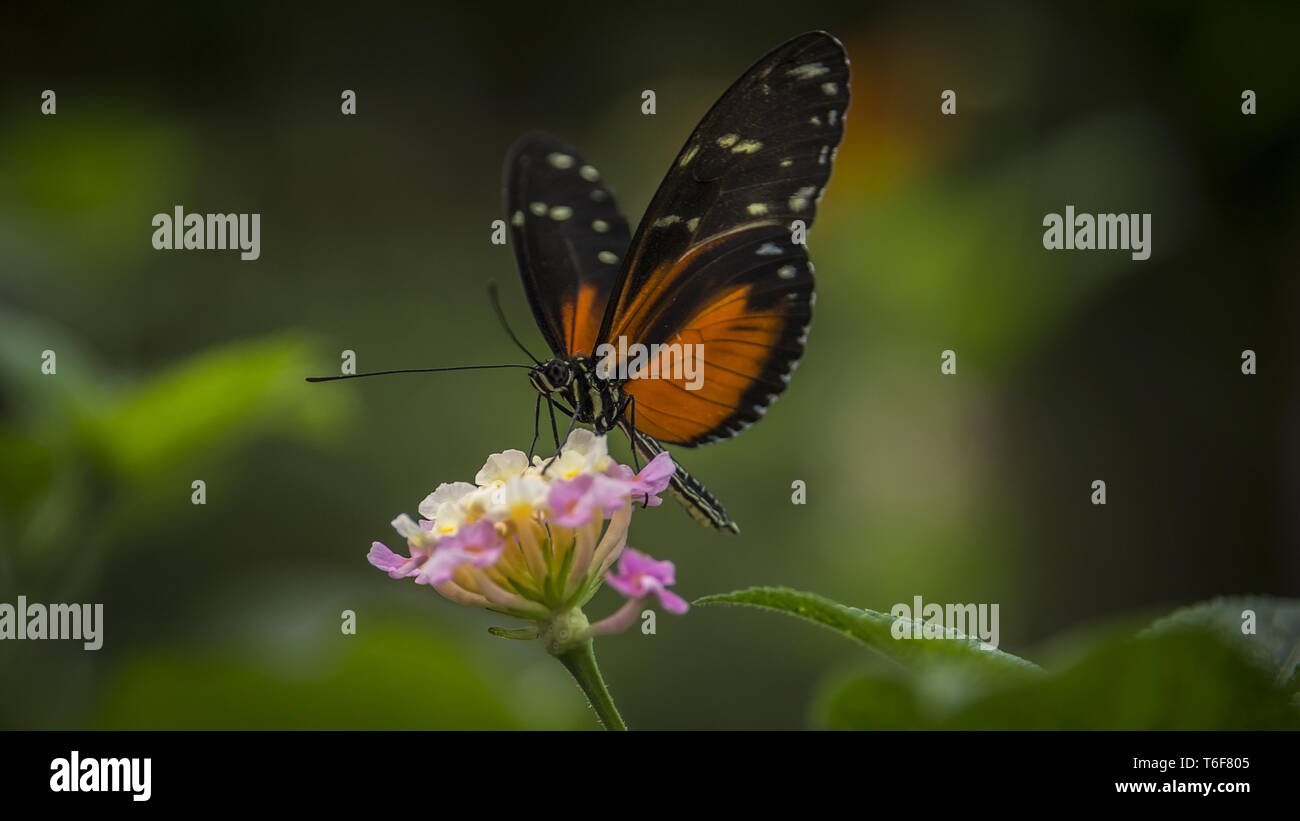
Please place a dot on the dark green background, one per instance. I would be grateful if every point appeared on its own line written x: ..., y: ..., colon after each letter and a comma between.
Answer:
x: 175, y: 366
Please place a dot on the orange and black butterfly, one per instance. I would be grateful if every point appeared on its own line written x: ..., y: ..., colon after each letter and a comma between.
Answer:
x: 713, y: 263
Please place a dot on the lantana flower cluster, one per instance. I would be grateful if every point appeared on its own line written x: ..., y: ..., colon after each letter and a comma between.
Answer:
x: 536, y: 540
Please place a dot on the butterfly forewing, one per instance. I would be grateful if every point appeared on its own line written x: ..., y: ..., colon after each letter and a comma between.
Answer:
x: 568, y: 236
x: 714, y: 263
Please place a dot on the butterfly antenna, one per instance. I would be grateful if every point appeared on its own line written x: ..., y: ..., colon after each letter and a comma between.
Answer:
x: 413, y: 370
x: 501, y: 317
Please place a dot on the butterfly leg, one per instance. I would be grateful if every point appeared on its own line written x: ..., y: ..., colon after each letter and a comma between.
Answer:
x: 537, y: 428
x: 560, y: 449
x: 631, y: 420
x: 555, y: 431
x: 636, y: 457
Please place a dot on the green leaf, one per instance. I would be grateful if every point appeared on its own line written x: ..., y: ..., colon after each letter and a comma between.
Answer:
x: 1191, y: 670
x: 1180, y: 680
x: 971, y: 657
x: 226, y: 394
x: 1270, y: 639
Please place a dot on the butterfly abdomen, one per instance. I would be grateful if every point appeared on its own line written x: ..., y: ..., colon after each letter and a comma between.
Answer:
x: 702, y: 505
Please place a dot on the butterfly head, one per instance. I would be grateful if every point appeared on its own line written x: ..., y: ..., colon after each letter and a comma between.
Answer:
x: 554, y: 376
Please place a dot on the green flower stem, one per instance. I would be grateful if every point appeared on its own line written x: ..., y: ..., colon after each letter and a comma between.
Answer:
x: 580, y: 661
x: 567, y: 636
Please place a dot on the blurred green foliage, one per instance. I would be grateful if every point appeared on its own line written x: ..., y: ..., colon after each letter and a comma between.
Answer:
x: 90, y: 456
x: 394, y: 677
x: 1205, y: 667
x: 1184, y: 681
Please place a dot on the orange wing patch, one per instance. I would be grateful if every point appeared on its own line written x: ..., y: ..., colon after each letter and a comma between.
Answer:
x: 639, y: 309
x: 738, y: 347
x: 581, y: 326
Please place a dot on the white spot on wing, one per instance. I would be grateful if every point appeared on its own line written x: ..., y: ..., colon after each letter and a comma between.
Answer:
x: 664, y: 222
x: 746, y: 147
x: 756, y: 208
x: 560, y: 213
x: 829, y: 89
x: 559, y: 160
x: 538, y: 208
x: 589, y: 173
x: 786, y: 272
x: 607, y: 257
x: 768, y: 249
x: 517, y: 219
x: 807, y: 71
x: 600, y: 226
x: 728, y: 140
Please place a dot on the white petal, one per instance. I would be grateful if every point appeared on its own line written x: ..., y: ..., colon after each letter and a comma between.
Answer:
x: 526, y: 490
x: 449, y: 517
x: 501, y: 466
x: 446, y: 492
x: 405, y: 526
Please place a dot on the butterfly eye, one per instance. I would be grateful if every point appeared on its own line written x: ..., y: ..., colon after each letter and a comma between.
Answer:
x: 557, y: 374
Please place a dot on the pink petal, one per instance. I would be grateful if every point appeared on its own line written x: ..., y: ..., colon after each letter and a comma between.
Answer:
x: 635, y: 563
x: 477, y: 543
x: 654, y: 477
x: 626, y: 586
x: 440, y: 567
x: 672, y: 602
x: 640, y: 576
x: 570, y: 500
x: 383, y: 558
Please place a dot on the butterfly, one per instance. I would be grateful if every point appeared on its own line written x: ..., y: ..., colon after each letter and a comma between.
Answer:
x: 716, y: 264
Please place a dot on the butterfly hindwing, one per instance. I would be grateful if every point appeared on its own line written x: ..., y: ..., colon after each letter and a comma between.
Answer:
x: 569, y: 238
x: 713, y: 262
